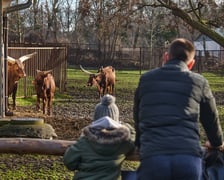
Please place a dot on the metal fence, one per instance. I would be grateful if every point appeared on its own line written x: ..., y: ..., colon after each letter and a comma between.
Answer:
x: 212, y: 60
x: 47, y: 58
x: 142, y: 58
x: 131, y: 58
x: 56, y: 58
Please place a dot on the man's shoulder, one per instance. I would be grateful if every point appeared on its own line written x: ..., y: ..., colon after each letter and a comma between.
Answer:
x: 151, y: 72
x: 197, y: 75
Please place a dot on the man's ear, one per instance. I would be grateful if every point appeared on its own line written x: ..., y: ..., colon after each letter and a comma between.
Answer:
x: 165, y: 57
x: 190, y: 64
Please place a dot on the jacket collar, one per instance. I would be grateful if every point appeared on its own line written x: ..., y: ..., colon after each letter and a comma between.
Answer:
x: 176, y: 64
x: 107, y: 136
x: 105, y: 122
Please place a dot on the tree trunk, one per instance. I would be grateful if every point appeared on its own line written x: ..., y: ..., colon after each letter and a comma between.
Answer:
x: 199, y: 26
x: 33, y: 146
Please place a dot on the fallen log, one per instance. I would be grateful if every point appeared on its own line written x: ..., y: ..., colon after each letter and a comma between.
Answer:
x: 42, y: 146
x: 33, y: 146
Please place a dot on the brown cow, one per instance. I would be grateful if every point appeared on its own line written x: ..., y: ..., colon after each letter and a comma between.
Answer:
x: 15, y: 72
x: 45, y: 88
x: 104, y: 79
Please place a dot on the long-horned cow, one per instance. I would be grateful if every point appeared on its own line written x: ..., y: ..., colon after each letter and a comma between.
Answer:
x: 15, y: 72
x: 104, y: 79
x: 45, y: 88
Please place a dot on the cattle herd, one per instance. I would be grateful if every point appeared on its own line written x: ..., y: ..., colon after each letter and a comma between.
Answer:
x: 43, y: 82
x: 103, y: 79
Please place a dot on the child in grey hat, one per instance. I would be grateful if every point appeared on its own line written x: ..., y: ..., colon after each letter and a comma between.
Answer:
x: 106, y: 107
x: 103, y: 145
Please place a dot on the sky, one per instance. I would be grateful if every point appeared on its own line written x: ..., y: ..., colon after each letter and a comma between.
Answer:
x: 218, y: 1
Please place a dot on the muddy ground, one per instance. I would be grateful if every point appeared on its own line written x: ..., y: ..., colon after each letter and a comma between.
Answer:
x: 72, y: 113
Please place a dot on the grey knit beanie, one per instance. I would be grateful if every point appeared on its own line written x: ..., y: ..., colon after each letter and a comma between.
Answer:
x: 106, y: 107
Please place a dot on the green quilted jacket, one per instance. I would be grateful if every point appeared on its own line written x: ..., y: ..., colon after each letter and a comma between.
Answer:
x: 99, y: 153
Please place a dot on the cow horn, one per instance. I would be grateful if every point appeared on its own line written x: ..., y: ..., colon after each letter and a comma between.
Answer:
x: 44, y: 72
x: 28, y: 56
x: 88, y: 72
x: 11, y: 60
x: 47, y: 72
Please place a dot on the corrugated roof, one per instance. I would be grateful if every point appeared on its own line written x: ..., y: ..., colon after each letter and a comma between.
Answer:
x: 203, y: 37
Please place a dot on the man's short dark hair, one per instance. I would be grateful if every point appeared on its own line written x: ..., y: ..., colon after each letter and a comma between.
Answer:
x: 181, y: 49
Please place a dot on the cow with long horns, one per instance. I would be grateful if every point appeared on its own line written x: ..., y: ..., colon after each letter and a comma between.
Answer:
x: 104, y: 79
x: 16, y: 72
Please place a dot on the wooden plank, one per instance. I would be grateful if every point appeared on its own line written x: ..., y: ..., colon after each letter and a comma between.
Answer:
x: 42, y: 146
x: 34, y: 146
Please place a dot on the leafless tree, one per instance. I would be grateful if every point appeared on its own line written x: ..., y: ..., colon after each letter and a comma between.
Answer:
x: 203, y: 15
x: 117, y: 22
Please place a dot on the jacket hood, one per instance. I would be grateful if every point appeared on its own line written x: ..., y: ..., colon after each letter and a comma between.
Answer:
x: 105, y: 123
x: 106, y: 135
x: 106, y: 131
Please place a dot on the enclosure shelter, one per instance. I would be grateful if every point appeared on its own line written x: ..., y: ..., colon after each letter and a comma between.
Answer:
x: 205, y: 45
x: 47, y: 58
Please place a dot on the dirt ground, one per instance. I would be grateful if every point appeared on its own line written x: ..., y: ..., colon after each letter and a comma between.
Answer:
x: 70, y: 115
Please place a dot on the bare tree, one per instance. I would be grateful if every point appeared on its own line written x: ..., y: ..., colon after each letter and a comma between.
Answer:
x: 52, y: 10
x: 199, y: 14
x: 109, y: 23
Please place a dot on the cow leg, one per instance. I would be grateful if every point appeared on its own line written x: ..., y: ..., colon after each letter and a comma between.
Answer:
x: 38, y: 103
x: 108, y: 90
x: 45, y: 101
x: 103, y: 88
x: 49, y: 113
x: 50, y: 104
x: 99, y: 91
x: 44, y: 105
x: 14, y: 95
x: 50, y: 97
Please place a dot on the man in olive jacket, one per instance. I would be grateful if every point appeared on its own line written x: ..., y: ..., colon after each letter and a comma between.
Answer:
x: 168, y: 104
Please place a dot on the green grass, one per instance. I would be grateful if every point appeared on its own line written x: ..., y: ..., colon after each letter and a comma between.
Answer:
x: 27, y: 167
x: 216, y: 81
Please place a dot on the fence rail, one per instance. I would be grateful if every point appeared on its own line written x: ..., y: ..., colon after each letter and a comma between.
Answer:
x: 141, y: 58
x: 56, y: 58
